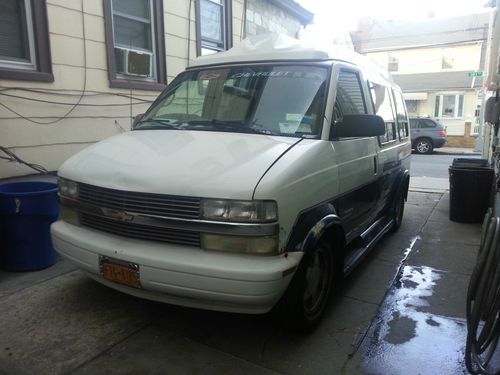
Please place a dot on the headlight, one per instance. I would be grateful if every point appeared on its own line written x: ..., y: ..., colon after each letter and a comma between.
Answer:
x: 254, y: 211
x: 68, y: 188
x: 267, y: 245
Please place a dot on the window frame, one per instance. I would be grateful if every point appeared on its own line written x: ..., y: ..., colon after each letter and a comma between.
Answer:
x: 117, y: 80
x: 39, y: 44
x: 227, y: 30
x: 438, y: 110
x: 406, y: 128
x: 393, y: 123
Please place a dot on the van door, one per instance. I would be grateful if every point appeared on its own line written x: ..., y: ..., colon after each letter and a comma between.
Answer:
x: 356, y: 157
x: 390, y: 145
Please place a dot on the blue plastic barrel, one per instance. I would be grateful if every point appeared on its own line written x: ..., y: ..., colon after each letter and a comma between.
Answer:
x: 26, y: 211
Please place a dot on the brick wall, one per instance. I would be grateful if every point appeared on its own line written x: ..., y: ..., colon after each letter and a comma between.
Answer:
x: 466, y: 140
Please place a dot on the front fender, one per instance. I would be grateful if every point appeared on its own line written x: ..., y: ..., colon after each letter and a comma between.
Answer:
x: 311, y: 226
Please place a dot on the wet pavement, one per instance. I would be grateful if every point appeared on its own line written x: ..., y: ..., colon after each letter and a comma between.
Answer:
x: 400, y: 312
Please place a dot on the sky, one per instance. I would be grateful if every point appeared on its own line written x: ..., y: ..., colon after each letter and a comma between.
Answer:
x: 334, y: 17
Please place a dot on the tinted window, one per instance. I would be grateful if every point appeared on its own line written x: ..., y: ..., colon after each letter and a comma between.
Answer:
x: 383, y: 106
x: 414, y: 124
x: 349, y: 99
x: 427, y: 124
x: 401, y: 115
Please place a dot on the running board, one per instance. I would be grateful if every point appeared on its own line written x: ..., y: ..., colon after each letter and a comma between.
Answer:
x: 368, y: 240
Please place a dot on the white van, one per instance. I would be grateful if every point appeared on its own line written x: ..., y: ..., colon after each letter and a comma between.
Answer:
x: 258, y: 176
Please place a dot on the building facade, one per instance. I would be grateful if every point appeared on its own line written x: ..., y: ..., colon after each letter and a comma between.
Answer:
x: 438, y: 64
x: 73, y: 72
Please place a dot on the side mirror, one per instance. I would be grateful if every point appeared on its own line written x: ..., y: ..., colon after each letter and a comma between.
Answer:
x: 137, y: 119
x: 358, y: 126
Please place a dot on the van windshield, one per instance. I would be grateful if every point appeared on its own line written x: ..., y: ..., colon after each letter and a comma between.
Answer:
x: 282, y: 100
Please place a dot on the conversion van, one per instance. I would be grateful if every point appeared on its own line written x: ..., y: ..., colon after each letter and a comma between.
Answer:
x: 257, y: 178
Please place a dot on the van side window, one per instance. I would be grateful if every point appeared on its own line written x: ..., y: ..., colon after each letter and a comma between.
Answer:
x: 383, y: 107
x: 349, y: 100
x: 401, y: 115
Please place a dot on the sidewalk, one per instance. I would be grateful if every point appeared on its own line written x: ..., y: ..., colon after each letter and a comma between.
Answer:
x: 402, y: 311
x: 456, y: 151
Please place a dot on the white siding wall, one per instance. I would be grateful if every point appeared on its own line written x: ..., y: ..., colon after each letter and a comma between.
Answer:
x: 51, y: 144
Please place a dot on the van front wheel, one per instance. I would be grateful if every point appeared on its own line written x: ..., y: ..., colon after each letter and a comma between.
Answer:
x: 305, y: 300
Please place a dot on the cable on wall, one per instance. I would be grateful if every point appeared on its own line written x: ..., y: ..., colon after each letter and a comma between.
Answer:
x: 13, y: 157
x: 83, y: 89
x: 189, y: 30
x: 243, y: 31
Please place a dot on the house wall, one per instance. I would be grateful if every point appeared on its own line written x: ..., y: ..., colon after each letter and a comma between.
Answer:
x: 263, y: 17
x: 101, y: 111
x: 429, y: 60
x: 454, y: 127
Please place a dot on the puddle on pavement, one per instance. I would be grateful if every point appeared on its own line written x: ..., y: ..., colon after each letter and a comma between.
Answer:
x: 407, y: 341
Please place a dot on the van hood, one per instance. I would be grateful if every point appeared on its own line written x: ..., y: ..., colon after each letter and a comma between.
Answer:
x: 179, y: 162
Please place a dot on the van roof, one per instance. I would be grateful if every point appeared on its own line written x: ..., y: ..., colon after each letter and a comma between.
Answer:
x: 279, y: 47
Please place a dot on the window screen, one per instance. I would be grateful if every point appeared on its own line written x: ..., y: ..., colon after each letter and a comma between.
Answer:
x: 213, y: 18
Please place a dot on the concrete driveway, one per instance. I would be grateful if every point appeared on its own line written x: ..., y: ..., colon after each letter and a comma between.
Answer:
x: 400, y: 312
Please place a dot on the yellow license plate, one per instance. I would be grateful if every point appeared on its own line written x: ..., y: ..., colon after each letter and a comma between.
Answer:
x: 126, y: 274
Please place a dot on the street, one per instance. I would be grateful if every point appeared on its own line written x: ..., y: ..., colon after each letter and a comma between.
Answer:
x: 435, y: 165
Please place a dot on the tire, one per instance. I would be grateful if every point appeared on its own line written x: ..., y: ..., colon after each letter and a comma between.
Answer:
x: 304, y: 302
x: 397, y: 214
x: 423, y: 146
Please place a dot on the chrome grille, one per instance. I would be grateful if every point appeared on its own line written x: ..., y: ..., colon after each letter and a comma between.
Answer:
x: 143, y: 232
x: 143, y: 203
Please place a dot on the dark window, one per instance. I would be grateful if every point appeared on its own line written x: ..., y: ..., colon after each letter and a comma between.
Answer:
x: 427, y: 124
x: 411, y: 105
x: 393, y: 64
x: 24, y: 41
x: 135, y: 43
x: 401, y: 115
x: 384, y: 107
x: 414, y: 124
x: 213, y: 26
x: 349, y: 100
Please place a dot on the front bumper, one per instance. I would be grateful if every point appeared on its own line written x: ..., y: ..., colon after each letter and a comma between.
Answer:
x: 182, y: 275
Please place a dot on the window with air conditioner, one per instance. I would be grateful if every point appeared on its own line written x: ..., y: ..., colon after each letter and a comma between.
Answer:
x: 135, y: 43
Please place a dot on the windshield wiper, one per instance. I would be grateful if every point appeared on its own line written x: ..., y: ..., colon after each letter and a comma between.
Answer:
x: 237, y: 126
x: 154, y: 124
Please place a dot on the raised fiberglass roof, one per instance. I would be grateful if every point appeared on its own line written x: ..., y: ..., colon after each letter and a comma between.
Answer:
x: 279, y: 47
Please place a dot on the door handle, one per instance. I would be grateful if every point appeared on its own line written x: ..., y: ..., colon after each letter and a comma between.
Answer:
x: 374, y: 165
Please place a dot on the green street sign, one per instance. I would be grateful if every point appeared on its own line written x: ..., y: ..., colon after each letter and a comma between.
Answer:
x: 476, y: 73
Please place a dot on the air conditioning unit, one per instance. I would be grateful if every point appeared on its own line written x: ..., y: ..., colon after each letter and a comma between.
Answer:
x: 133, y: 62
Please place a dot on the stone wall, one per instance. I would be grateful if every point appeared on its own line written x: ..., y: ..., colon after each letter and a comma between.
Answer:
x: 467, y: 140
x: 264, y: 17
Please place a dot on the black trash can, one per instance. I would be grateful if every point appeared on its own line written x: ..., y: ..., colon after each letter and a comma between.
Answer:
x: 471, y: 188
x: 26, y: 211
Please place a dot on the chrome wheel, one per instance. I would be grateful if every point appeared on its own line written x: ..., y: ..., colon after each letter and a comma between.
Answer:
x: 318, y: 278
x: 423, y: 146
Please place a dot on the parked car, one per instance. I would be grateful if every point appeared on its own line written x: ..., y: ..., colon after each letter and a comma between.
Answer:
x: 426, y: 135
x: 257, y: 178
